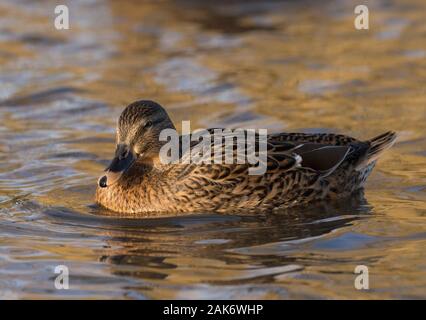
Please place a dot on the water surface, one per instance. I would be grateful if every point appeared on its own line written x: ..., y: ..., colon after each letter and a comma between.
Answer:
x: 291, y: 65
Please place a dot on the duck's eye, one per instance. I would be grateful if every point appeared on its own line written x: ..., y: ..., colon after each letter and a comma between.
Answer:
x: 148, y: 124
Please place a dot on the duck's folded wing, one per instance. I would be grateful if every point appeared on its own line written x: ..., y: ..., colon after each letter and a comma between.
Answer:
x: 323, y: 159
x: 297, y: 138
x: 276, y: 155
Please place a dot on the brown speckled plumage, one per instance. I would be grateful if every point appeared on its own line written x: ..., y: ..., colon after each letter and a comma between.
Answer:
x: 301, y: 168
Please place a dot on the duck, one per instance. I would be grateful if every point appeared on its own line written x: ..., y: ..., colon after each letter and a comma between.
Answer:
x: 300, y: 169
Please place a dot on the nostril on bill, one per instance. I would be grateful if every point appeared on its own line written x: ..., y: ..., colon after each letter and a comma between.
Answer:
x: 103, y: 182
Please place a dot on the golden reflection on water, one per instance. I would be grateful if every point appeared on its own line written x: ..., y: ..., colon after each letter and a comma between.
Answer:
x: 277, y: 65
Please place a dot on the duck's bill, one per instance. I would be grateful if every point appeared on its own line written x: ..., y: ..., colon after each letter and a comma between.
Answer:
x: 117, y: 167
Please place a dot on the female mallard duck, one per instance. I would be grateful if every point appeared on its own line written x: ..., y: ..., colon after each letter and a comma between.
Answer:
x: 301, y: 168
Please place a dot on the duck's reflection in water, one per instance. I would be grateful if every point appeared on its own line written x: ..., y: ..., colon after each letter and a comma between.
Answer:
x: 211, y: 248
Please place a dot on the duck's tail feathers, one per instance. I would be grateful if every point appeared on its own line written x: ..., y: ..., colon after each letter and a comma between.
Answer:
x: 377, y: 146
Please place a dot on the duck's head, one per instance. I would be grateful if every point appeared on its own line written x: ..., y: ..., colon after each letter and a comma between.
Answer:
x: 138, y: 132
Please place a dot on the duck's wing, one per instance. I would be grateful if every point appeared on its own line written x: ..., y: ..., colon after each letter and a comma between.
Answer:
x: 242, y: 147
x: 324, y: 159
x: 324, y: 152
x: 278, y: 156
x: 314, y: 138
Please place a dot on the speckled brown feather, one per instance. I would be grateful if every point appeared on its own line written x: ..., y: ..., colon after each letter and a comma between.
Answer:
x: 150, y: 186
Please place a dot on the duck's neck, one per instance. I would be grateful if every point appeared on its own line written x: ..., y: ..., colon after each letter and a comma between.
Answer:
x: 139, y: 190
